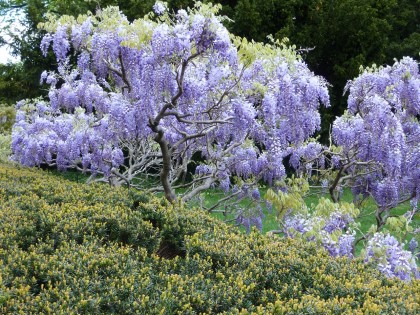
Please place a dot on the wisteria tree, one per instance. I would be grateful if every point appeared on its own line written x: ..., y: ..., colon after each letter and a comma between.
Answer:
x: 375, y: 145
x: 375, y: 151
x: 144, y: 98
x: 377, y: 140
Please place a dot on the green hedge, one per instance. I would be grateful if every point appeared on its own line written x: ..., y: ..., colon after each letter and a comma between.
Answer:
x: 7, y: 118
x: 69, y: 248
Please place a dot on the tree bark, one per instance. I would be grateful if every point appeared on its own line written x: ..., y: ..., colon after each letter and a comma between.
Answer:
x: 166, y: 163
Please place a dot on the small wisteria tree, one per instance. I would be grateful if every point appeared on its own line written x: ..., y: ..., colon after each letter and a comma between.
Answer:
x: 376, y: 153
x: 375, y: 145
x: 146, y: 97
x: 377, y: 140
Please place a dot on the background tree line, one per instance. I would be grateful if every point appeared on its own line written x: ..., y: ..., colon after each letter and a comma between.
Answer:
x: 336, y: 36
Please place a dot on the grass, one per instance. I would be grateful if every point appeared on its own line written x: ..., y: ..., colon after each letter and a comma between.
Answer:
x: 270, y: 223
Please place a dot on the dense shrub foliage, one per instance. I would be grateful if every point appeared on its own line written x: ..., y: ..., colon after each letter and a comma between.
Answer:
x: 68, y: 248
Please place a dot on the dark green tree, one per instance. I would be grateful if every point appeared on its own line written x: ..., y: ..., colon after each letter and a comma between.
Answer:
x: 12, y: 83
x: 405, y: 35
x: 340, y: 35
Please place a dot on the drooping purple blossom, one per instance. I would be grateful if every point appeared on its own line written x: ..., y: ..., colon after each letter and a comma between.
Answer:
x: 299, y: 225
x: 257, y: 222
x: 80, y: 33
x: 159, y: 8
x: 296, y: 224
x: 256, y: 194
x: 337, y: 221
x: 45, y: 43
x: 248, y: 221
x: 61, y: 44
x: 412, y: 245
x: 385, y: 252
x: 346, y: 245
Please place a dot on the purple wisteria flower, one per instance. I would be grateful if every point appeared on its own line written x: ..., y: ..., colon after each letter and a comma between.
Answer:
x: 346, y: 245
x: 337, y: 221
x: 341, y: 248
x: 159, y: 7
x: 385, y: 252
x: 249, y: 221
x: 328, y: 231
x: 412, y: 245
x: 294, y: 224
x: 256, y: 194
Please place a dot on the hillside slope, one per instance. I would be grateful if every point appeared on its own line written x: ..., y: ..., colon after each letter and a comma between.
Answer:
x: 69, y: 248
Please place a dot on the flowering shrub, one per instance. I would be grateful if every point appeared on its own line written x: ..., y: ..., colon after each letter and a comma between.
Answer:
x: 146, y: 96
x: 68, y: 248
x: 328, y: 224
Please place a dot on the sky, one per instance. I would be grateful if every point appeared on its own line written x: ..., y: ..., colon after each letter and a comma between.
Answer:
x: 5, y: 56
x: 4, y: 50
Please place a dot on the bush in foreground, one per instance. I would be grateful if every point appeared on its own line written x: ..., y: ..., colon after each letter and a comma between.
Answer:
x: 67, y: 248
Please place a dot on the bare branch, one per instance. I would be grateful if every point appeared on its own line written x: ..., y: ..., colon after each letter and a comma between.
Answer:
x: 191, y: 183
x: 228, y: 197
x: 206, y: 185
x: 120, y: 73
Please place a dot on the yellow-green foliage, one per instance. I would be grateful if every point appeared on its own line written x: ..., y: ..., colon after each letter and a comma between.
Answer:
x: 292, y: 200
x: 7, y: 118
x: 5, y: 147
x: 67, y: 248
